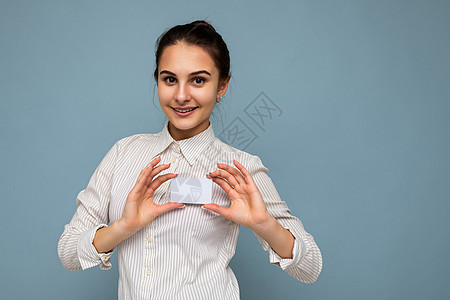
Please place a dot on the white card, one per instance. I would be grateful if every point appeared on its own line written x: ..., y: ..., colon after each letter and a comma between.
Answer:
x: 191, y: 190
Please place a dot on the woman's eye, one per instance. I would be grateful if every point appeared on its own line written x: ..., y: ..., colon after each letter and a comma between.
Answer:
x: 199, y: 81
x: 170, y: 79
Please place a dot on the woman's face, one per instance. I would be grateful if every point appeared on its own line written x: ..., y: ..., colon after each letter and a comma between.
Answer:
x: 188, y: 85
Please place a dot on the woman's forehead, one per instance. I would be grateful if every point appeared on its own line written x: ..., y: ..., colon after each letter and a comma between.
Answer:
x: 186, y: 58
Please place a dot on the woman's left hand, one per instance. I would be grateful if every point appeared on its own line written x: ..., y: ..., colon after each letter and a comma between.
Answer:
x: 247, y: 206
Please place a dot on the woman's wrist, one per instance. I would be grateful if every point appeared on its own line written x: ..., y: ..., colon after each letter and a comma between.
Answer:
x: 279, y: 238
x: 265, y: 227
x: 123, y: 229
x: 107, y: 238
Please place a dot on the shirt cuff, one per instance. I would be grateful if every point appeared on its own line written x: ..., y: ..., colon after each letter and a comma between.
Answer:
x: 298, y: 252
x: 88, y: 255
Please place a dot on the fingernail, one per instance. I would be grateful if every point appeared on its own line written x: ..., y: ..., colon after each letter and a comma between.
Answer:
x: 204, y: 207
x: 184, y: 205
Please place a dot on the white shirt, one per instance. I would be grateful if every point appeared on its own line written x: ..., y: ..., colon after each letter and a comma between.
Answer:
x: 182, y: 254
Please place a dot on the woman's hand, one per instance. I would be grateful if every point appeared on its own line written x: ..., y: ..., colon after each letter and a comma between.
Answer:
x: 140, y: 209
x: 247, y: 206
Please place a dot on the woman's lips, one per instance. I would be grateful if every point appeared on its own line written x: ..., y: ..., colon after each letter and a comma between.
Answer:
x: 183, y: 112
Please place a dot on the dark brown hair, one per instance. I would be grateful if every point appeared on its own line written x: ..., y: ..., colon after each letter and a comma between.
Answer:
x: 197, y: 33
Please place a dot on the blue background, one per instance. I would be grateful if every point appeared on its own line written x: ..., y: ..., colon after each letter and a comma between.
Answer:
x: 360, y: 152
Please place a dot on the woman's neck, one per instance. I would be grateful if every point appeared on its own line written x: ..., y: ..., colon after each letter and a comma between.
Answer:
x: 180, y: 134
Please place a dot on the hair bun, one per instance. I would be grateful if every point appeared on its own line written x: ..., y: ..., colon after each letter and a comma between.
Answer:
x: 198, y: 33
x: 204, y: 23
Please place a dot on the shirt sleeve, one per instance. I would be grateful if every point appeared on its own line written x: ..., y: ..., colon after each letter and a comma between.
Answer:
x: 306, y: 262
x: 75, y: 248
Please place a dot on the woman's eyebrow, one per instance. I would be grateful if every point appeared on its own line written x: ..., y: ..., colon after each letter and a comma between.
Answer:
x: 200, y: 72
x: 166, y: 72
x: 191, y: 74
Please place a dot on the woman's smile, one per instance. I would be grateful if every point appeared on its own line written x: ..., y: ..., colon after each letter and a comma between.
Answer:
x: 184, y: 111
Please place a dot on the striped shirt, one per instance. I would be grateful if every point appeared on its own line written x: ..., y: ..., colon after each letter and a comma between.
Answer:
x: 182, y: 254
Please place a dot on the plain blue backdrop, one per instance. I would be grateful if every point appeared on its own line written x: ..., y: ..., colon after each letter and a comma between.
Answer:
x: 360, y: 151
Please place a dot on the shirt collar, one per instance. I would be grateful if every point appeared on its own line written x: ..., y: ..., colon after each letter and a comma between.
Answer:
x: 191, y: 147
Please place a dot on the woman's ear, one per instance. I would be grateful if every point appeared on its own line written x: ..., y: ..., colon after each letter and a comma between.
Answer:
x: 223, y: 86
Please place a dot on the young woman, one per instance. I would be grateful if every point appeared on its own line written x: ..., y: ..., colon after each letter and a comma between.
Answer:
x: 171, y: 250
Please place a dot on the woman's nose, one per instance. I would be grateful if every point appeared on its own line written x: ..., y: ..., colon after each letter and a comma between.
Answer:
x: 182, y: 93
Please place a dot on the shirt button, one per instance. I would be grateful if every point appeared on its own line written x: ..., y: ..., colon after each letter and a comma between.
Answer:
x: 105, y: 258
x: 164, y: 184
x: 174, y: 160
x: 176, y: 146
x: 149, y: 238
x: 149, y: 271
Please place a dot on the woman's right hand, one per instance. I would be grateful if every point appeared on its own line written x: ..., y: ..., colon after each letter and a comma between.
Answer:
x: 140, y: 209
